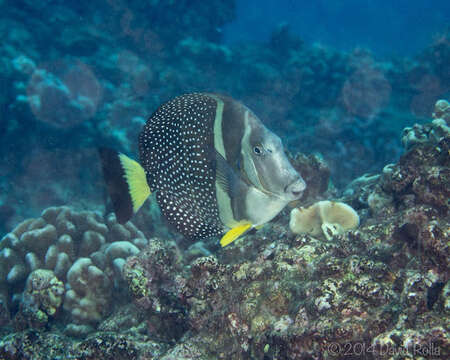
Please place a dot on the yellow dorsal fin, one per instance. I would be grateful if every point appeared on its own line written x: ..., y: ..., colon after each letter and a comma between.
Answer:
x: 137, y: 181
x: 235, y: 232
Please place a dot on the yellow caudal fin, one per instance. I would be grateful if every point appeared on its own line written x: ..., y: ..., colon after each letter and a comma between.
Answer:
x: 126, y: 183
x: 134, y: 174
x: 235, y: 233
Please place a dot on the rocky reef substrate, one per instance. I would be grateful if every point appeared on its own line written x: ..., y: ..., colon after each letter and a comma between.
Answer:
x: 77, y: 285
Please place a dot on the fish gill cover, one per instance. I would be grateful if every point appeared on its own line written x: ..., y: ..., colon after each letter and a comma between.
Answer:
x: 358, y: 93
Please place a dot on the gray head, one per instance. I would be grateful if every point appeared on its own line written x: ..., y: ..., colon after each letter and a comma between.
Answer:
x: 265, y: 163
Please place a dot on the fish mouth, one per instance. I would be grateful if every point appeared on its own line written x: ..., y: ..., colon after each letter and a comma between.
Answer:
x: 295, y: 189
x: 285, y: 195
x: 291, y: 192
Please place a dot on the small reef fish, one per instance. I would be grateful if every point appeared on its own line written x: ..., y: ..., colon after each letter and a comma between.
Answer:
x: 214, y: 166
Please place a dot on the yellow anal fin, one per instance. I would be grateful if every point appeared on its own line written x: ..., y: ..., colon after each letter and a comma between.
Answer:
x: 136, y: 179
x: 235, y: 233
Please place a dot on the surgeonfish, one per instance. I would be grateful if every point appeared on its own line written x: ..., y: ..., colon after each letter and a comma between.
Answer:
x: 214, y: 166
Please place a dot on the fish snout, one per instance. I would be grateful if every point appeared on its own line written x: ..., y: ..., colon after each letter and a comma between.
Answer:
x: 296, y: 188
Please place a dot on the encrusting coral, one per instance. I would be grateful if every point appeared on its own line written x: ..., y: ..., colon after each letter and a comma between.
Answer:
x: 154, y: 278
x: 42, y: 297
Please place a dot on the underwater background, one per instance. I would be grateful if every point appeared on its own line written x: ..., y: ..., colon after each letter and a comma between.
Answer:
x: 357, y: 90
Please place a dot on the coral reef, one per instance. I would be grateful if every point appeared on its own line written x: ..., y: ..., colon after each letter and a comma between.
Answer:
x: 89, y: 297
x: 32, y: 344
x: 379, y: 291
x: 76, y: 284
x: 62, y: 102
x: 154, y: 278
x: 316, y: 173
x: 42, y: 298
x: 81, y: 250
x: 431, y: 132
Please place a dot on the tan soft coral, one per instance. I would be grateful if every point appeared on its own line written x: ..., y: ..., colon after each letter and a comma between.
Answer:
x: 324, y: 218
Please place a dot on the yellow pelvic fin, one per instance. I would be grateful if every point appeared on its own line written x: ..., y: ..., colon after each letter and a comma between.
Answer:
x: 235, y: 232
x: 137, y: 181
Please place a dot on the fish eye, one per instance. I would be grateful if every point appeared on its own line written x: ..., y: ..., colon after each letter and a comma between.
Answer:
x: 257, y: 150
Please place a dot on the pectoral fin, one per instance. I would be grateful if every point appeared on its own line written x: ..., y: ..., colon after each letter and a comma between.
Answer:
x: 235, y: 233
x: 228, y: 179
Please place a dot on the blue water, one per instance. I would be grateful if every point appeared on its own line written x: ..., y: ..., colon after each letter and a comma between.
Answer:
x: 386, y: 27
